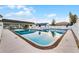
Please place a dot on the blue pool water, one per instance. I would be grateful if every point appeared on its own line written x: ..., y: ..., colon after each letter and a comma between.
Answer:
x: 42, y: 38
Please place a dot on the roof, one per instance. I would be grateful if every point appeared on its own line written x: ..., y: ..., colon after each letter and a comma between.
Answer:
x: 41, y: 23
x: 61, y: 23
x: 16, y: 21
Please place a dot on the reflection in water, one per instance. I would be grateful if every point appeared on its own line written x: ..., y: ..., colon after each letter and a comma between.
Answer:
x: 39, y: 33
x: 41, y: 37
x: 53, y: 34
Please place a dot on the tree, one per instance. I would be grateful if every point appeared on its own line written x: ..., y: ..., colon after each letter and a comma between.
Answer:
x: 53, y: 23
x: 73, y: 18
x: 1, y: 16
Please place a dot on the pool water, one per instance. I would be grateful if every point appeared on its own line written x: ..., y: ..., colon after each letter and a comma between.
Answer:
x: 41, y: 38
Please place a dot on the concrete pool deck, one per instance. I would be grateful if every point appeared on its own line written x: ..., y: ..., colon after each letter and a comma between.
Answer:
x: 11, y: 43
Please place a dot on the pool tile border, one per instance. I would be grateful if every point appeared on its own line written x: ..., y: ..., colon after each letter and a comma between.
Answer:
x: 41, y: 47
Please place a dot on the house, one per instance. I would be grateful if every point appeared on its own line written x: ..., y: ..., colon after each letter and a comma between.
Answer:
x: 41, y: 24
x: 61, y: 24
x: 9, y: 23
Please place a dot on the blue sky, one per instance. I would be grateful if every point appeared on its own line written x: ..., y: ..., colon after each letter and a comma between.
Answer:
x: 38, y: 13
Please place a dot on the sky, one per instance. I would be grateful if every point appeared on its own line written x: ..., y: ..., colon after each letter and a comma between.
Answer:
x: 38, y: 13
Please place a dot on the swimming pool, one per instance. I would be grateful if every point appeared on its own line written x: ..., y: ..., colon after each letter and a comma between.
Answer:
x: 41, y: 38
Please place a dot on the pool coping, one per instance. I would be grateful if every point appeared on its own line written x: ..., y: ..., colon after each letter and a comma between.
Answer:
x: 76, y: 39
x: 42, y: 47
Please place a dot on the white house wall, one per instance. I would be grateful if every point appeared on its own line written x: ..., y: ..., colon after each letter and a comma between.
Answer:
x: 1, y: 28
x: 75, y: 28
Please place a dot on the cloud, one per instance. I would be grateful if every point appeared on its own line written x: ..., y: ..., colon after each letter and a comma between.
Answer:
x: 41, y: 20
x: 15, y: 6
x: 19, y: 13
x: 1, y: 7
x: 11, y: 6
x: 65, y: 19
x: 22, y: 11
x: 22, y: 7
x: 51, y: 15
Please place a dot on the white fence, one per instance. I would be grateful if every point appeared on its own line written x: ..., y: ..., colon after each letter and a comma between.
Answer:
x: 75, y: 28
x: 51, y: 27
x: 1, y: 28
x: 59, y: 27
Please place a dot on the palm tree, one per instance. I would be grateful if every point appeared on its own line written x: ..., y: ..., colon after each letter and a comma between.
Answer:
x: 1, y: 17
x: 73, y: 18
